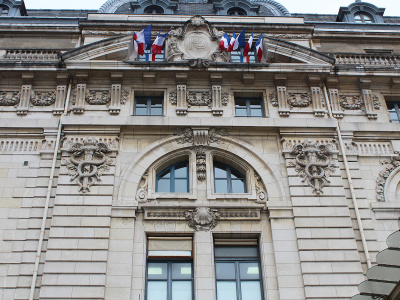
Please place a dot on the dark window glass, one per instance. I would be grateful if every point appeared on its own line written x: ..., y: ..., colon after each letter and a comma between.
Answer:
x: 394, y: 111
x: 237, y: 56
x: 154, y: 10
x: 236, y: 11
x: 248, y: 107
x: 237, y: 273
x: 174, y: 179
x: 363, y: 18
x: 169, y: 280
x: 148, y: 106
x: 228, y: 180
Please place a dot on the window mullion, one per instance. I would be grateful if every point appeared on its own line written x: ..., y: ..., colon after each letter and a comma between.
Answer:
x: 172, y: 180
x: 229, y: 179
x: 248, y: 107
x: 396, y: 107
x: 149, y: 106
x: 238, y: 287
x: 169, y: 282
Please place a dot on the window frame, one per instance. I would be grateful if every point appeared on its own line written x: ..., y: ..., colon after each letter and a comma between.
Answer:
x: 248, y: 107
x: 238, y: 261
x: 228, y: 178
x: 148, y: 106
x: 172, y: 177
x: 396, y: 105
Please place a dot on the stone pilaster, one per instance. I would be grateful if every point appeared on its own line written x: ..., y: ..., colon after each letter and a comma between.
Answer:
x: 283, y: 106
x: 61, y: 94
x: 80, y: 93
x: 334, y: 98
x: 316, y: 96
x: 181, y: 104
x: 26, y: 90
x: 216, y: 100
x: 116, y: 90
x: 369, y: 104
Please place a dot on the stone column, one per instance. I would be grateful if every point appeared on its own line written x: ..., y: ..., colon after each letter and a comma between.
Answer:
x: 61, y: 93
x: 281, y: 93
x: 80, y: 93
x: 116, y: 90
x: 26, y: 90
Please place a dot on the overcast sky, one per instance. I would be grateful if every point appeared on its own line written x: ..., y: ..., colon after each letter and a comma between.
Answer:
x: 294, y: 6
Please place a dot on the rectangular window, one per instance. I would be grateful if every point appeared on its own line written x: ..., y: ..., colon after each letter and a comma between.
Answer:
x: 394, y: 111
x: 237, y: 57
x: 249, y: 107
x: 147, y: 56
x: 238, y: 270
x: 148, y: 106
x: 169, y: 273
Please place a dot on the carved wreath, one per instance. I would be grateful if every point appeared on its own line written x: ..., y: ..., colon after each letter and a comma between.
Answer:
x: 43, y: 98
x: 9, y: 98
x: 356, y: 102
x: 299, y: 99
x: 199, y: 98
x: 98, y: 97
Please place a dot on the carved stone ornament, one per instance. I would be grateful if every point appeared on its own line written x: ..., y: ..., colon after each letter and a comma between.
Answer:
x: 9, y: 98
x: 274, y: 99
x: 224, y: 98
x: 197, y: 41
x: 390, y: 166
x: 201, y: 162
x: 202, y: 218
x: 213, y: 135
x: 87, y: 162
x: 124, y: 96
x: 260, y: 191
x: 185, y: 135
x: 98, y: 97
x: 312, y: 163
x: 299, y: 99
x: 43, y: 98
x: 351, y: 102
x: 172, y: 98
x: 199, y: 98
x: 141, y: 194
x: 377, y: 103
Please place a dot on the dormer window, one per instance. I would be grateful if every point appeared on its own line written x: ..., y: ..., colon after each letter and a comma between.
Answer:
x: 236, y: 11
x: 154, y: 10
x: 4, y: 10
x: 363, y: 18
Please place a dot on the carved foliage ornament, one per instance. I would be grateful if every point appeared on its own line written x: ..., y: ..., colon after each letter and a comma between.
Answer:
x: 312, y: 163
x: 199, y: 98
x: 186, y: 135
x: 351, y: 102
x: 202, y: 218
x: 390, y: 166
x: 98, y: 97
x: 87, y: 162
x: 261, y: 194
x: 299, y: 99
x: 141, y: 194
x: 9, y: 98
x: 201, y: 162
x: 43, y: 98
x: 274, y: 99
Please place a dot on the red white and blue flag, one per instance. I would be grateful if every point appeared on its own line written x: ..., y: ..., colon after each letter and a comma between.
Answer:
x: 224, y: 44
x: 248, y: 46
x: 142, y: 39
x: 232, y: 42
x: 259, y: 47
x: 158, y: 44
x: 239, y: 41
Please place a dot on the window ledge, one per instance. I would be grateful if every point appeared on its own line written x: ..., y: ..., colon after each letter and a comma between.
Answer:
x: 169, y: 196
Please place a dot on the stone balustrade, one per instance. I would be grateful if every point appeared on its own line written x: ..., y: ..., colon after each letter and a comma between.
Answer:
x: 35, y: 55
x: 368, y: 59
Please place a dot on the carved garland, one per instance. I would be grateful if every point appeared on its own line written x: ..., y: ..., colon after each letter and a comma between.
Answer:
x: 201, y: 162
x: 199, y: 98
x: 9, y: 98
x: 312, y: 163
x: 351, y: 103
x: 98, y: 97
x: 299, y: 99
x: 391, y: 165
x: 43, y: 98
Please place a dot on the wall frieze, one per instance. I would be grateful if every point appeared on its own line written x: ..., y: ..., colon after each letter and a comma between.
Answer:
x: 43, y: 98
x: 10, y: 98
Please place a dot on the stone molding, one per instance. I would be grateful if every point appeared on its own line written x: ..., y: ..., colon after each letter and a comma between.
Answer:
x: 390, y: 167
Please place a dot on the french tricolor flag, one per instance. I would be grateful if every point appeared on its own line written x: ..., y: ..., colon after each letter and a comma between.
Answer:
x: 224, y: 44
x: 158, y: 44
x: 239, y: 41
x: 248, y: 46
x: 142, y: 39
x: 232, y: 42
x: 259, y: 47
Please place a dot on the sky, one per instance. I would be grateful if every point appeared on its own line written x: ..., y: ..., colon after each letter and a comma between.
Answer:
x: 294, y: 6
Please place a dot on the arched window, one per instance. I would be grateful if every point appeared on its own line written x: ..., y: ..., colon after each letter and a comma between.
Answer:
x: 4, y: 10
x: 228, y: 180
x: 154, y: 10
x: 363, y: 18
x: 236, y: 11
x: 174, y: 179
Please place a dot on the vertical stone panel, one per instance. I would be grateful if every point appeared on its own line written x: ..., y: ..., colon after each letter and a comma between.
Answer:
x: 216, y: 100
x: 181, y: 104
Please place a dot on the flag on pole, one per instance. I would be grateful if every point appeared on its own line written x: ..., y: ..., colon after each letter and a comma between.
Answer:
x: 142, y: 39
x: 239, y: 41
x: 248, y: 46
x: 232, y: 42
x: 224, y: 44
x: 158, y: 44
x: 259, y: 47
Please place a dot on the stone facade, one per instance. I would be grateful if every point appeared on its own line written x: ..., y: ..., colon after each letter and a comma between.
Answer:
x: 80, y: 166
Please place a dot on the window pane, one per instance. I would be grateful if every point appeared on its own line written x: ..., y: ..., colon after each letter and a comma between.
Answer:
x: 157, y: 271
x: 238, y: 186
x: 226, y: 290
x: 249, y: 271
x: 251, y: 290
x: 163, y: 186
x: 221, y: 185
x: 181, y: 171
x: 181, y: 271
x: 156, y: 111
x: 236, y: 252
x: 241, y: 112
x: 220, y: 172
x: 181, y: 290
x: 142, y: 101
x: 181, y: 186
x: 166, y: 174
x: 156, y: 101
x: 140, y: 111
x: 240, y: 102
x: 236, y: 174
x: 157, y: 290
x: 256, y: 112
x: 225, y: 271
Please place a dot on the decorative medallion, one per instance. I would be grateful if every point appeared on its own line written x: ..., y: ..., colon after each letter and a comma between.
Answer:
x: 202, y: 218
x: 391, y: 165
x: 299, y: 99
x: 88, y: 162
x: 9, y: 98
x: 199, y: 98
x: 312, y: 163
x: 351, y: 102
x: 98, y: 97
x: 43, y: 98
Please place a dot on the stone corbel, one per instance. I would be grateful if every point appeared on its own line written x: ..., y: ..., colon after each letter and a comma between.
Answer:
x: 283, y: 106
x: 80, y: 93
x: 332, y: 84
x: 61, y: 94
x: 116, y: 90
x: 26, y: 90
